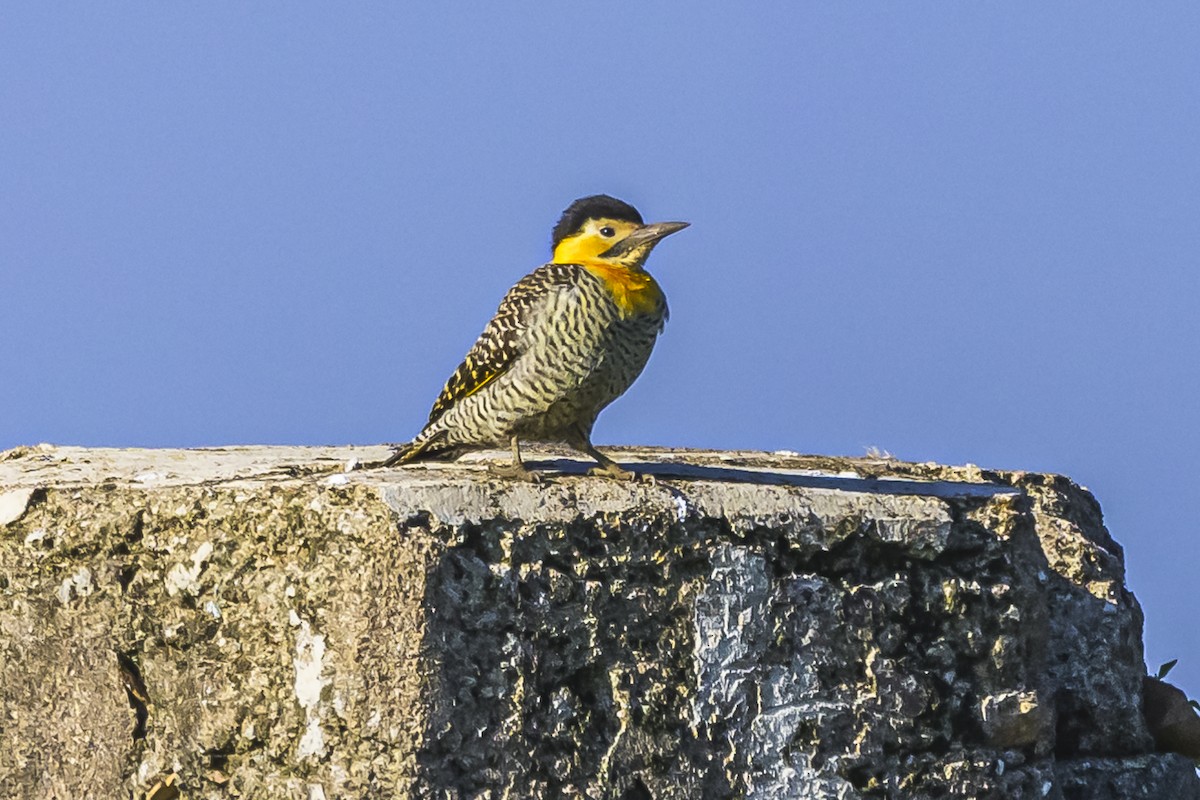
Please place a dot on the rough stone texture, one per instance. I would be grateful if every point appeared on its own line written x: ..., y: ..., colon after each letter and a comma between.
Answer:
x: 255, y: 622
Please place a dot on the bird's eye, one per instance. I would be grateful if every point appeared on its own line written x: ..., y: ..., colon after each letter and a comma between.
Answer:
x: 607, y: 231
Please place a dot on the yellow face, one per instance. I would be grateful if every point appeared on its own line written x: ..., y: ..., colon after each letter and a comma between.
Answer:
x: 596, y: 236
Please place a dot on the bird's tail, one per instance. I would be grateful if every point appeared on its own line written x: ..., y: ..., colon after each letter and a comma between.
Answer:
x: 418, y: 447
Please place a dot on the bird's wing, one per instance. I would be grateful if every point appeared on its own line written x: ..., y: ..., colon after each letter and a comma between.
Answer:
x: 503, y: 338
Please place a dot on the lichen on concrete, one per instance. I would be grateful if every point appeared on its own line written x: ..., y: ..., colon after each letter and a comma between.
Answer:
x: 258, y: 622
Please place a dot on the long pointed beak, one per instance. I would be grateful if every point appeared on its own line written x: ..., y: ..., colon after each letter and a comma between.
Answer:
x: 647, y: 234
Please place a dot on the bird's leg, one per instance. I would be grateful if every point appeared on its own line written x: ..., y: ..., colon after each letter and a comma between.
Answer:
x: 517, y: 469
x: 608, y: 468
x: 516, y: 453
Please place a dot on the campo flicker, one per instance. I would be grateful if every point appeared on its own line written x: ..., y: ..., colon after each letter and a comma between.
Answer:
x: 568, y: 339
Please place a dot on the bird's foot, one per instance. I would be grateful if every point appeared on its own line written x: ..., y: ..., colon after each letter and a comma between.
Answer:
x: 617, y: 473
x: 516, y: 472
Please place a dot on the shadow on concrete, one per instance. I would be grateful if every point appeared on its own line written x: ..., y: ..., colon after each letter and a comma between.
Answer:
x: 775, y: 477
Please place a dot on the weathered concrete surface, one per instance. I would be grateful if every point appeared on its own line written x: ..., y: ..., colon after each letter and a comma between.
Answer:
x: 253, y: 622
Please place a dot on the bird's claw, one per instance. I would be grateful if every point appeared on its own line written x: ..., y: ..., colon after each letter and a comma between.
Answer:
x: 617, y: 473
x: 516, y: 472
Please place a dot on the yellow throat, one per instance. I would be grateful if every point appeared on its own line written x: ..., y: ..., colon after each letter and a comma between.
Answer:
x: 632, y: 288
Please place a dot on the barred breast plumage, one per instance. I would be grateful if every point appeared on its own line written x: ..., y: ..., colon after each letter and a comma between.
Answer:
x: 571, y: 351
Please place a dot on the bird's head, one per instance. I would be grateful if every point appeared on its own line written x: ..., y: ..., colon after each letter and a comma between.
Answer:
x: 602, y: 229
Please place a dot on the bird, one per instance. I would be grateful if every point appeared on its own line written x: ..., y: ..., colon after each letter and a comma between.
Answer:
x: 567, y: 339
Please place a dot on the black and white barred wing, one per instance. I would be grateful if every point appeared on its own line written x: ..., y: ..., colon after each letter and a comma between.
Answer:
x: 502, y: 341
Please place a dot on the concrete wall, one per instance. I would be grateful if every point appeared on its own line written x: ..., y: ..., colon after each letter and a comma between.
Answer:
x: 258, y: 623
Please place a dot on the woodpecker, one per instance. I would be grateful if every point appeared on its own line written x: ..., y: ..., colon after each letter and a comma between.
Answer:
x: 568, y: 339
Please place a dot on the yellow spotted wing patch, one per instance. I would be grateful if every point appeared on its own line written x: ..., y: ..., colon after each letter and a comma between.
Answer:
x: 501, y: 342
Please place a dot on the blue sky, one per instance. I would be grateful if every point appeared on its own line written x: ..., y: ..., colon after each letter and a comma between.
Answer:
x: 962, y: 232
